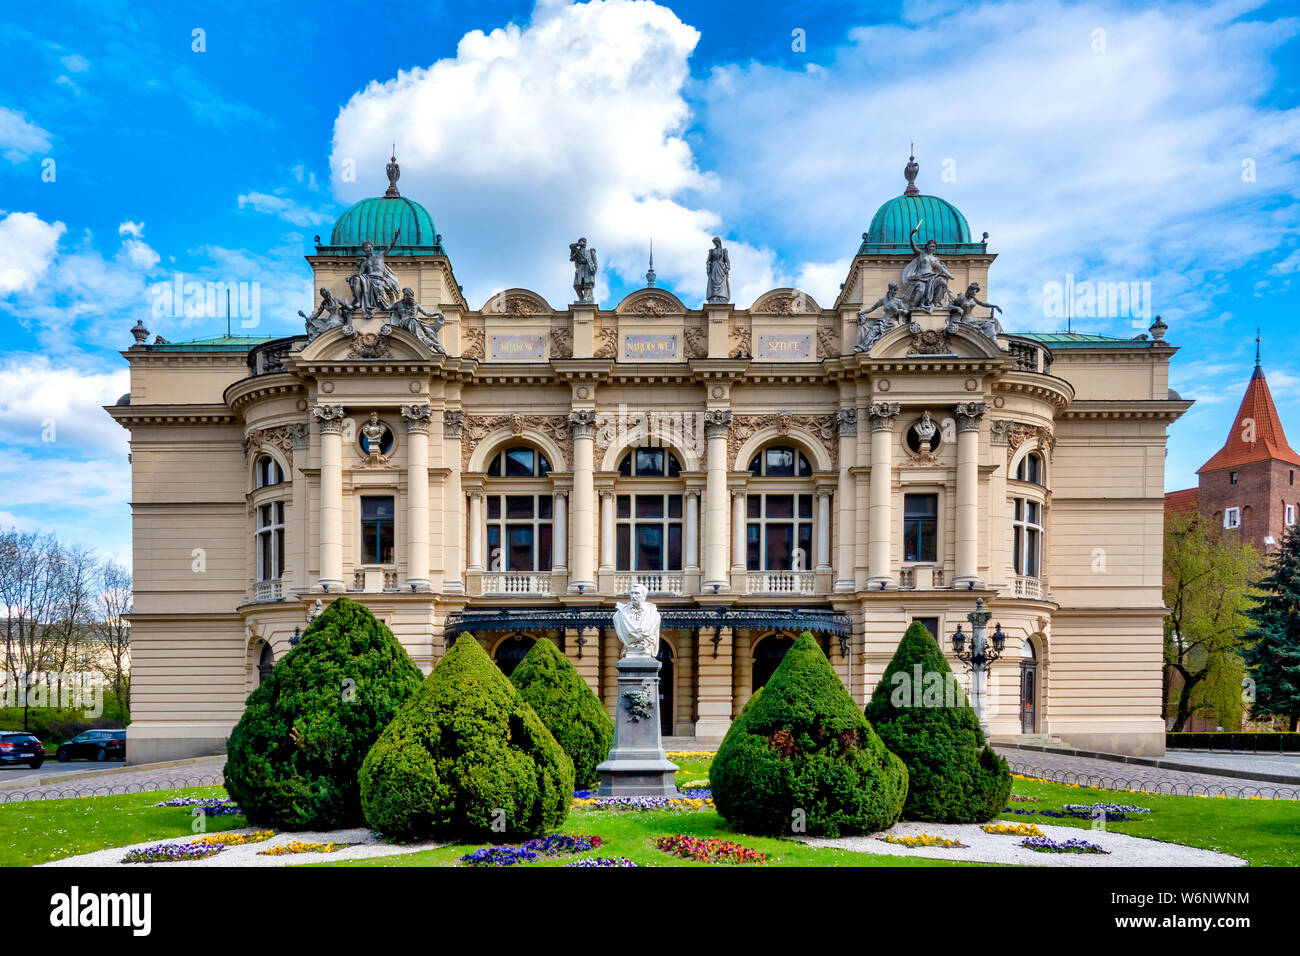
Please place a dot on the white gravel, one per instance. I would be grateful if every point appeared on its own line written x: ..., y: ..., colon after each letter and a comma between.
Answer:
x: 984, y: 847
x: 367, y: 845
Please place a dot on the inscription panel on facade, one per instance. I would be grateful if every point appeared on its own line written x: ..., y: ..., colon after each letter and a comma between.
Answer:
x: 784, y: 347
x: 651, y: 348
x: 517, y: 348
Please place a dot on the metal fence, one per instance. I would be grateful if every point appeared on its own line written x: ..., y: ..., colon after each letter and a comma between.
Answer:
x: 1107, y: 782
x: 58, y: 792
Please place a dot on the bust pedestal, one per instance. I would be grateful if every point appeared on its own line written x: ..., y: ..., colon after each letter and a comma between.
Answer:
x: 638, y: 765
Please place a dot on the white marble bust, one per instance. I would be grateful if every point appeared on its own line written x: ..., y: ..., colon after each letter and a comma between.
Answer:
x: 637, y: 624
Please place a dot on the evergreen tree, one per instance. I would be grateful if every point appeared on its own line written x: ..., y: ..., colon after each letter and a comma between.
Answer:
x: 1274, y: 659
x: 953, y: 775
x: 568, y: 708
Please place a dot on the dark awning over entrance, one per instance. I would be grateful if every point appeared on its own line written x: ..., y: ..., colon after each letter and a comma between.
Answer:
x: 817, y: 620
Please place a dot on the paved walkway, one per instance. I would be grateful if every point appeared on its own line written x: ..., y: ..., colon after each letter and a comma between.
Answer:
x: 123, y: 780
x: 1287, y: 765
x: 1115, y: 775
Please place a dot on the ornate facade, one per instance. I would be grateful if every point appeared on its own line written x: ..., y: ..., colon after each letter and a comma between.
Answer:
x: 511, y: 468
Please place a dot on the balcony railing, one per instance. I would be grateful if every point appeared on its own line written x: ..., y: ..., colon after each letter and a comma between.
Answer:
x: 1027, y: 587
x: 268, y: 590
x: 375, y: 579
x: 655, y: 582
x: 920, y: 577
x: 516, y: 582
x: 780, y: 582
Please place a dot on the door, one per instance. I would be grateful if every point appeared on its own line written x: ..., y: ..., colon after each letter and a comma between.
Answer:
x: 1028, y: 697
x: 666, y: 699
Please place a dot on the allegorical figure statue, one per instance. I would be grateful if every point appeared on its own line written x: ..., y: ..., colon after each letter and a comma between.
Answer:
x: 584, y: 262
x: 871, y: 330
x: 406, y: 315
x: 637, y: 624
x: 925, y: 279
x: 964, y: 305
x: 330, y: 314
x: 718, y: 271
x: 374, y: 286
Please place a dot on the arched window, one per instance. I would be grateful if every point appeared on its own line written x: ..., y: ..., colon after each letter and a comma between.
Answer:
x: 648, y: 525
x: 1027, y: 537
x: 265, y: 661
x: 269, y: 472
x: 519, y: 462
x: 780, y: 461
x: 511, y: 651
x: 1030, y: 469
x: 270, y: 541
x: 768, y: 654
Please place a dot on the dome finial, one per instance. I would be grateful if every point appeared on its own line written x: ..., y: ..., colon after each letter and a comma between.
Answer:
x: 394, y: 173
x: 910, y: 171
x: 650, y: 275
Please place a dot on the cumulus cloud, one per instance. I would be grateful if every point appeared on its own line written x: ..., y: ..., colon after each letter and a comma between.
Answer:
x: 20, y: 138
x: 55, y: 408
x: 27, y: 248
x: 287, y: 209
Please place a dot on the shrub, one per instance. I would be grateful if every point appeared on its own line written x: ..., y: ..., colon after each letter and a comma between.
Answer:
x: 802, y: 749
x: 571, y: 712
x: 293, y: 758
x: 955, y: 776
x: 466, y: 758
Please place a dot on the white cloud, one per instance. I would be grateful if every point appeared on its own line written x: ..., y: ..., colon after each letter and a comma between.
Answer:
x: 58, y: 408
x: 20, y: 138
x: 286, y: 209
x: 28, y: 246
x: 75, y: 63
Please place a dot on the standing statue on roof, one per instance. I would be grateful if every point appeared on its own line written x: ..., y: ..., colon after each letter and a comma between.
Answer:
x: 584, y: 262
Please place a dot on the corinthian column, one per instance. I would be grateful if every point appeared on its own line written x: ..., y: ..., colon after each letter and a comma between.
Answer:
x: 417, y: 495
x: 717, y: 423
x: 330, y: 418
x: 968, y: 416
x: 880, y: 562
x: 583, y: 546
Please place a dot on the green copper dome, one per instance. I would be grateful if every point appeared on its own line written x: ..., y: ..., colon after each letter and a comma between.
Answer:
x: 893, y: 223
x: 377, y: 220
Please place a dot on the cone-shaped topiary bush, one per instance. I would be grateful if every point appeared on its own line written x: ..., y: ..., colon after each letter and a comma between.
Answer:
x: 571, y: 712
x: 466, y: 758
x: 802, y: 758
x: 292, y: 760
x: 922, y: 715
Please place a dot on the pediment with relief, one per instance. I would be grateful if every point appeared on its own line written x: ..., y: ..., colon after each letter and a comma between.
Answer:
x: 785, y: 302
x: 366, y: 339
x: 651, y: 302
x: 517, y: 303
x: 934, y: 336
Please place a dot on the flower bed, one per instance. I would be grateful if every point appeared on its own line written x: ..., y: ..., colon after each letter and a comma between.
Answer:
x: 236, y: 839
x: 1114, y: 811
x: 708, y: 851
x: 172, y: 852
x: 602, y: 861
x: 210, y: 806
x: 1020, y: 798
x: 1012, y: 829
x: 922, y: 839
x: 554, y: 845
x: 642, y: 803
x: 1043, y: 844
x: 297, y: 846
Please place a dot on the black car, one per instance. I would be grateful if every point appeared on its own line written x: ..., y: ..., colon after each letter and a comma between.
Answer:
x: 16, y: 748
x: 98, y: 745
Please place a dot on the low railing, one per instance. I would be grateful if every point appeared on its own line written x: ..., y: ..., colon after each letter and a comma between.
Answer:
x: 920, y: 577
x: 516, y: 582
x: 378, y: 578
x: 780, y: 582
x: 655, y: 582
x: 268, y: 590
x: 1029, y: 587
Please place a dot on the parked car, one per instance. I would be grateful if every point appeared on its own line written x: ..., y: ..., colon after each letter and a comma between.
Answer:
x: 16, y: 748
x: 98, y: 745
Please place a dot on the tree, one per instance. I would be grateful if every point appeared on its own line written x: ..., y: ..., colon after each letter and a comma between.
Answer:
x: 1208, y: 591
x: 922, y: 714
x: 112, y: 631
x: 30, y: 573
x: 1274, y: 658
x: 571, y: 712
x: 802, y: 758
x: 466, y: 758
x: 295, y: 755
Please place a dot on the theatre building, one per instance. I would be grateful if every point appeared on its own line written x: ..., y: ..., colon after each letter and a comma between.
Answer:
x: 510, y: 468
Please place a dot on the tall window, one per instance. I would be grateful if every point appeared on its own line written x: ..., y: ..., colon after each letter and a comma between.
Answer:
x: 921, y: 528
x: 519, y: 462
x: 780, y: 461
x: 377, y: 532
x: 269, y: 472
x: 1027, y: 545
x: 777, y: 525
x: 519, y: 532
x: 1030, y: 469
x: 270, y: 541
x: 649, y: 532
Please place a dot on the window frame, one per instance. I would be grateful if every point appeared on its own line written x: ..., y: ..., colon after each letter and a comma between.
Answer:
x: 269, y: 535
x: 795, y: 520
x: 503, y: 524
x: 666, y: 522
x: 1023, y: 532
x: 362, y: 495
x: 938, y: 528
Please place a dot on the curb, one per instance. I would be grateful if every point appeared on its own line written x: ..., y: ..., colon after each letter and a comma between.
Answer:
x: 47, y: 780
x: 1160, y: 764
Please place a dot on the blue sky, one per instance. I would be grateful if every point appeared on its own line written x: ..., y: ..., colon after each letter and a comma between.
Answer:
x: 1156, y: 145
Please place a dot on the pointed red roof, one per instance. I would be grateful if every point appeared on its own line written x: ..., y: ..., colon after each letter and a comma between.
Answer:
x: 1257, y: 433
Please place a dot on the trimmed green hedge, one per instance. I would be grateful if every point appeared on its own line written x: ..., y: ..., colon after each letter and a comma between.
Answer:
x: 571, y: 712
x: 802, y: 758
x: 1276, y: 742
x: 955, y: 777
x: 292, y: 760
x: 466, y: 758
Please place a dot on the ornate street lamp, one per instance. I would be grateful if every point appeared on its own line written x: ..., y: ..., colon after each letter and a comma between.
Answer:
x: 980, y: 656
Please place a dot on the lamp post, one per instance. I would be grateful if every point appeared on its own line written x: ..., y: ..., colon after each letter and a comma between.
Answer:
x: 980, y: 656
